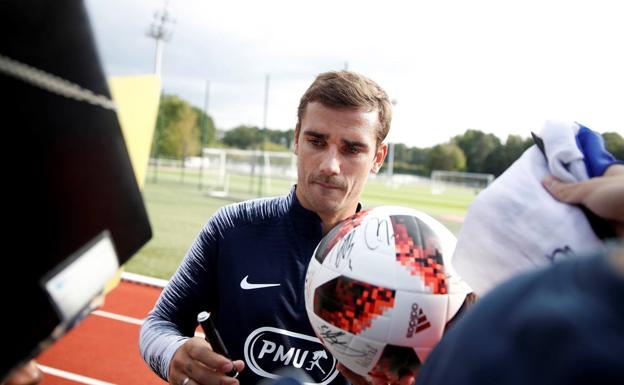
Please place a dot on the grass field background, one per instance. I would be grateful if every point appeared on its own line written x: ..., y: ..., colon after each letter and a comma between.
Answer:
x: 178, y: 208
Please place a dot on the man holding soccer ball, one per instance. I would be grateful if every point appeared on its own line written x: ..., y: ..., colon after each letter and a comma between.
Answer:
x: 248, y: 264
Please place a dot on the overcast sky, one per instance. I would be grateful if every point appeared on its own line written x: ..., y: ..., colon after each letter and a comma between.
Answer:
x: 499, y: 66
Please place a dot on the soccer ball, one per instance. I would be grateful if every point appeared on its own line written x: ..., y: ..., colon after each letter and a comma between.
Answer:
x: 380, y: 291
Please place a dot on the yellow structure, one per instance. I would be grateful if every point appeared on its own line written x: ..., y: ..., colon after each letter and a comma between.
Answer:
x: 137, y: 99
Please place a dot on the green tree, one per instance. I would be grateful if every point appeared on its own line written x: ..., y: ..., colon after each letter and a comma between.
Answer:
x: 418, y: 156
x: 188, y: 134
x: 448, y: 157
x: 245, y: 137
x: 271, y: 146
x: 408, y: 160
x: 207, y: 129
x: 401, y: 153
x: 499, y: 159
x: 615, y: 144
x: 476, y: 145
x: 251, y: 137
x: 281, y: 139
x: 178, y: 131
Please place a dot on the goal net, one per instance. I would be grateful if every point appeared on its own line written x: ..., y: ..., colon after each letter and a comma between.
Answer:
x: 242, y: 174
x: 442, y: 181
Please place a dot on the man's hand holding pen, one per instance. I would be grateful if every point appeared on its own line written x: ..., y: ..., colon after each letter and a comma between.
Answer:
x: 214, y: 338
x: 197, y: 363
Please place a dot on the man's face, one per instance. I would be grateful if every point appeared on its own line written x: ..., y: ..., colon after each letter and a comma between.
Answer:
x: 336, y: 150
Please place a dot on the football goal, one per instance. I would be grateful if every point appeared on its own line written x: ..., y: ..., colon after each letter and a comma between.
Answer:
x: 236, y: 173
x: 441, y: 181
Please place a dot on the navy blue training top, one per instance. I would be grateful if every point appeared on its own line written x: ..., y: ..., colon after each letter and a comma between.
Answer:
x: 247, y: 266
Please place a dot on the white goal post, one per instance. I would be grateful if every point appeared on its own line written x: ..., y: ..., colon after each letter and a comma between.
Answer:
x: 442, y: 180
x: 220, y: 165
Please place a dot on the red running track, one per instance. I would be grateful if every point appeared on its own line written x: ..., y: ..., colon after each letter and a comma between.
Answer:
x: 103, y: 348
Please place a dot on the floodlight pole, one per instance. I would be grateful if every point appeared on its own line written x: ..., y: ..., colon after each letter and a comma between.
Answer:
x: 159, y: 125
x: 390, y: 169
x: 158, y: 57
x: 264, y: 129
x: 204, y: 129
x: 161, y: 34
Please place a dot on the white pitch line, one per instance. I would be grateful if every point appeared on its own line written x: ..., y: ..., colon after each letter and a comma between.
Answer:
x: 130, y: 320
x: 118, y: 317
x: 72, y: 376
x: 145, y: 280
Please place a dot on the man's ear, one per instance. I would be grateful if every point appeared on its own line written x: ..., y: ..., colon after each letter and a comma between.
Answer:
x: 380, y: 155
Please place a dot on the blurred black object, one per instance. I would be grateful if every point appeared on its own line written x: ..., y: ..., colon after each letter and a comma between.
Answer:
x: 67, y: 176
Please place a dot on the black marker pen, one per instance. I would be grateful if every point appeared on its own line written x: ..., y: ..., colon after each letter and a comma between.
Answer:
x: 213, y: 337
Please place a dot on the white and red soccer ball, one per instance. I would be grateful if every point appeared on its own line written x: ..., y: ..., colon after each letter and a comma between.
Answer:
x: 380, y: 290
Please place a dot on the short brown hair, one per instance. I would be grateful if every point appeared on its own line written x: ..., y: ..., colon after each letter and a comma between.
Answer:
x: 349, y: 90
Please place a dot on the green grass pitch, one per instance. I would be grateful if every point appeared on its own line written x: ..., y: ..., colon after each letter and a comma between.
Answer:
x: 178, y: 209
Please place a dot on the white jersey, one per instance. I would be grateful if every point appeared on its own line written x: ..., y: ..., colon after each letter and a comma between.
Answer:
x: 516, y: 225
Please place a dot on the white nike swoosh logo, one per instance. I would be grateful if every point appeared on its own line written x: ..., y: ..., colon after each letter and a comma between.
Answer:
x: 249, y: 286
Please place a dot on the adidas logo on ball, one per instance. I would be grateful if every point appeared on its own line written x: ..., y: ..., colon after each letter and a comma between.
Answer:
x: 418, y: 321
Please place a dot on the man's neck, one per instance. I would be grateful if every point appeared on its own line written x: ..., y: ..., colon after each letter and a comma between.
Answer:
x: 331, y: 220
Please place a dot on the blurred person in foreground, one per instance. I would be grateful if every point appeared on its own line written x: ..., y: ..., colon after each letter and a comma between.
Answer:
x: 248, y: 264
x: 560, y: 325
